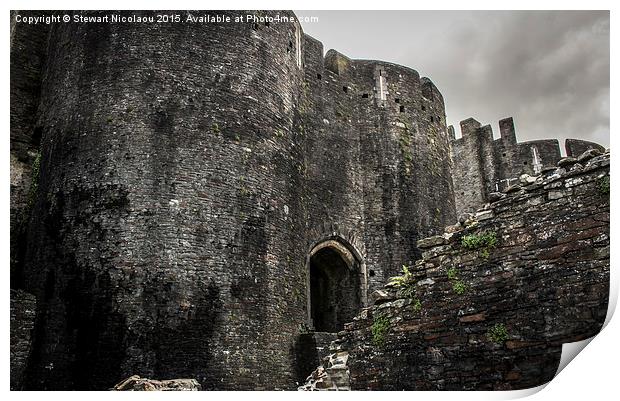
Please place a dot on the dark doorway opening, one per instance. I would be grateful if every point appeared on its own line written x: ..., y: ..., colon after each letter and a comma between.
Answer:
x: 334, y: 290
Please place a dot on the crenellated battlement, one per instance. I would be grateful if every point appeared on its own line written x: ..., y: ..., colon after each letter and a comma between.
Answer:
x: 483, y: 164
x: 392, y: 88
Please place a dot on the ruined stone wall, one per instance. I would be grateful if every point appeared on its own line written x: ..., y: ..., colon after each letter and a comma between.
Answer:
x: 483, y: 164
x: 492, y: 316
x: 168, y: 232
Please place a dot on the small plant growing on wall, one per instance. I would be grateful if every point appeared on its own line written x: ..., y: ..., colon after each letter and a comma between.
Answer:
x: 458, y: 286
x: 484, y: 242
x: 380, y: 328
x: 603, y: 185
x: 406, y: 287
x: 417, y: 305
x: 498, y: 333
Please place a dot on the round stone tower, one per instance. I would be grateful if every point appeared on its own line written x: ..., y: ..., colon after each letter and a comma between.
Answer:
x: 379, y: 166
x: 166, y: 236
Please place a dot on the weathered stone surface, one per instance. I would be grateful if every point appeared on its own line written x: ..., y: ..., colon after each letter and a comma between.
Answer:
x: 454, y: 228
x: 333, y: 375
x: 576, y: 147
x: 310, y: 350
x: 431, y: 241
x: 380, y: 296
x: 576, y: 167
x: 28, y: 54
x: 526, y: 179
x: 478, y: 317
x: 484, y: 215
x: 558, y: 194
x: 566, y: 162
x: 465, y: 217
x: 588, y: 154
x: 23, y: 308
x: 512, y: 189
x: 495, y: 196
x: 546, y: 171
x: 496, y: 321
x: 137, y: 383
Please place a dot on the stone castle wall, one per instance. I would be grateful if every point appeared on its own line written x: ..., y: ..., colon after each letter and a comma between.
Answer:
x: 187, y: 171
x: 167, y: 236
x: 376, y: 160
x: 28, y: 52
x: 544, y: 282
x: 483, y: 164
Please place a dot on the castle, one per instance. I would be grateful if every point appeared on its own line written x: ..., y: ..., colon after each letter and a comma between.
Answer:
x: 201, y: 200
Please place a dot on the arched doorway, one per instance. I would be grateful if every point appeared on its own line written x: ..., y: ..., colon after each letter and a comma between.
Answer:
x: 335, y: 286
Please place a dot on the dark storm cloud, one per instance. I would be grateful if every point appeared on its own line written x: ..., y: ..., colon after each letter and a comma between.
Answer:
x: 547, y: 69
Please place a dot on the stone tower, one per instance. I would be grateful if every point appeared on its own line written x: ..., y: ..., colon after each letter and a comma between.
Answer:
x: 208, y: 192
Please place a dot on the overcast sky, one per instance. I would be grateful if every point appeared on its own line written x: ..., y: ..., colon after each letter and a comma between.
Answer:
x: 548, y: 70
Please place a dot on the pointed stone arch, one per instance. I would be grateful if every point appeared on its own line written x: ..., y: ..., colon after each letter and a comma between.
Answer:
x: 337, y: 283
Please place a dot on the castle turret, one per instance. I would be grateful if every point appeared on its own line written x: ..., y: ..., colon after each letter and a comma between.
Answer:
x: 167, y: 231
x: 378, y: 165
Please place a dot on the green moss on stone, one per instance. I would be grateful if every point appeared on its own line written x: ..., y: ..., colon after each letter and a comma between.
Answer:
x: 603, y: 185
x: 484, y: 242
x: 459, y: 287
x: 380, y: 328
x: 498, y: 333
